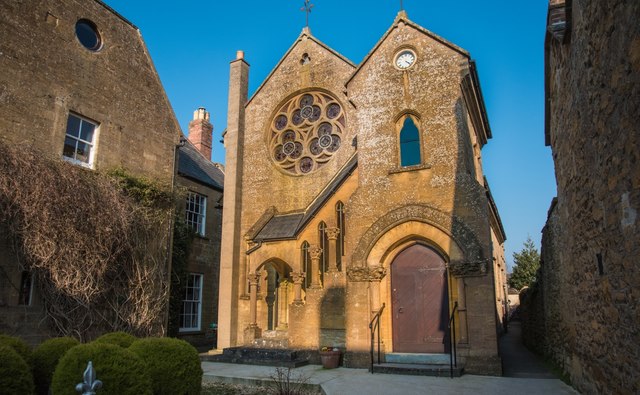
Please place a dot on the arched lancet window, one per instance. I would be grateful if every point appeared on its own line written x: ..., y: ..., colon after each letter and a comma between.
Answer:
x: 324, y: 244
x: 340, y: 241
x: 306, y: 264
x: 409, y: 142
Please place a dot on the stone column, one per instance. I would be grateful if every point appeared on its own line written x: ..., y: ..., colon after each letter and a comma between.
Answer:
x: 283, y: 304
x: 462, y: 311
x: 332, y: 235
x: 254, y: 279
x: 297, y: 279
x: 316, y: 253
x: 374, y: 294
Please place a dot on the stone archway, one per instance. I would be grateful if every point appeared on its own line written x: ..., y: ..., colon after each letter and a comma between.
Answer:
x: 276, y: 293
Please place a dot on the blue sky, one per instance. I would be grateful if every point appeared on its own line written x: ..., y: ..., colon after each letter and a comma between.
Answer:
x: 193, y: 41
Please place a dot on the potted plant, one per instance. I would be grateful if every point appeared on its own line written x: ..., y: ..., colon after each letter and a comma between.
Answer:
x: 330, y: 357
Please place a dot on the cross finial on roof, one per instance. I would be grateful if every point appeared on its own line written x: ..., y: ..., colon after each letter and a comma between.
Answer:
x: 307, y: 9
x: 401, y: 6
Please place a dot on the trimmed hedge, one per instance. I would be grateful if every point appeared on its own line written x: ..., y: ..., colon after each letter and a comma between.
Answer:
x: 15, y: 374
x: 122, y: 339
x: 173, y: 365
x: 19, y: 346
x: 45, y: 360
x: 121, y: 371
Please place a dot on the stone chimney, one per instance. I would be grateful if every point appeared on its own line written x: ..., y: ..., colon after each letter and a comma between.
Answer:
x: 200, y: 132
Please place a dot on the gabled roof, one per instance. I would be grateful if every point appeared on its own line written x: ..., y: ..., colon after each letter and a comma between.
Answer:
x: 402, y: 17
x: 306, y: 32
x: 287, y: 226
x: 194, y: 166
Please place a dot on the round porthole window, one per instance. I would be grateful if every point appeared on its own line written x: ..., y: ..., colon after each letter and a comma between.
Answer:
x: 87, y: 33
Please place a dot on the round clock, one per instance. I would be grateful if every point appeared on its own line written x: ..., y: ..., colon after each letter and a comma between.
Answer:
x: 405, y: 59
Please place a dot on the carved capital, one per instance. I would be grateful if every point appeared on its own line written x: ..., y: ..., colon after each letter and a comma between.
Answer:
x: 315, y: 252
x: 253, y: 278
x: 469, y: 268
x: 360, y: 274
x: 332, y: 233
x: 297, y: 277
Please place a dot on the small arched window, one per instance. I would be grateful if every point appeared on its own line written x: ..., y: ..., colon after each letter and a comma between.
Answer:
x: 324, y: 244
x: 409, y: 142
x: 306, y: 264
x: 341, y: 227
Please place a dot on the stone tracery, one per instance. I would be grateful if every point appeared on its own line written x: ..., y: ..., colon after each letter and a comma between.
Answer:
x: 306, y: 132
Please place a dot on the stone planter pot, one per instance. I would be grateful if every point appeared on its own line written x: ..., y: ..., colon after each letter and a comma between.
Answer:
x: 330, y: 359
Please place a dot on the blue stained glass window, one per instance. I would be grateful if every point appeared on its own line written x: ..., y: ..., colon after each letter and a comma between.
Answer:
x: 409, y: 143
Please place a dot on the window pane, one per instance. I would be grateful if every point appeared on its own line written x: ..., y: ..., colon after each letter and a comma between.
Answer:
x: 69, y: 149
x: 86, y: 131
x: 410, y: 153
x: 83, y: 151
x: 73, y: 126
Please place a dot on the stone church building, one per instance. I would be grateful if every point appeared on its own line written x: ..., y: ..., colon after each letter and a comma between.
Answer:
x: 357, y: 189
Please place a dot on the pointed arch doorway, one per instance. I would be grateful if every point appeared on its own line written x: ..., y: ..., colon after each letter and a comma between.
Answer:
x: 420, y: 301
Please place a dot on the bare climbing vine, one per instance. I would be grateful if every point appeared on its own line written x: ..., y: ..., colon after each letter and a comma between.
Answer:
x: 96, y: 243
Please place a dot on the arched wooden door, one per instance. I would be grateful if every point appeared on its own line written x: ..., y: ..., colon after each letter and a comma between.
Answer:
x: 420, y: 301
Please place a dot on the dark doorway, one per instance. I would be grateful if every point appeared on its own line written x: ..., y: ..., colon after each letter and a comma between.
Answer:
x: 420, y: 301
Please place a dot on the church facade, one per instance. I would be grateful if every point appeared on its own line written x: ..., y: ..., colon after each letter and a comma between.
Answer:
x: 355, y: 190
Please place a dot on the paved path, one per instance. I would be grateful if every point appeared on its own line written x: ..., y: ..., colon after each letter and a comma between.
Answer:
x: 517, y: 360
x: 524, y: 374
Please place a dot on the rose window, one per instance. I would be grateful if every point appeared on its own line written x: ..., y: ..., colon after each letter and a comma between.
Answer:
x: 306, y: 132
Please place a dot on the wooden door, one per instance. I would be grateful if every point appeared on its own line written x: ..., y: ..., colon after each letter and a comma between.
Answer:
x: 420, y: 301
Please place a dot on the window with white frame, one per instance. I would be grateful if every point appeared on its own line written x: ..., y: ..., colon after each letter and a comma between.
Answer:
x: 196, y: 212
x: 79, y: 141
x: 191, y: 312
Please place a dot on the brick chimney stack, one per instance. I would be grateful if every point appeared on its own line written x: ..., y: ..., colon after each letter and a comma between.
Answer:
x: 201, y: 132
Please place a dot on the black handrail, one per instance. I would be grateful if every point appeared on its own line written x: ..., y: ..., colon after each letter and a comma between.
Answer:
x: 373, y: 325
x: 453, y: 357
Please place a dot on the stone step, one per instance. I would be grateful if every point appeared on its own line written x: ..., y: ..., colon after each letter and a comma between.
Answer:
x: 259, y: 356
x: 416, y: 358
x: 415, y: 369
x: 271, y: 342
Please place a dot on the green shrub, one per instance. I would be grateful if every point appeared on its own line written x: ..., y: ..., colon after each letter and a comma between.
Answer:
x: 121, y: 371
x: 45, y: 360
x: 15, y: 374
x: 173, y: 365
x: 122, y: 339
x: 19, y: 346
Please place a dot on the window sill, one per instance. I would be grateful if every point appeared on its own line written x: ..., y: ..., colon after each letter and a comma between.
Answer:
x: 190, y: 331
x: 410, y: 168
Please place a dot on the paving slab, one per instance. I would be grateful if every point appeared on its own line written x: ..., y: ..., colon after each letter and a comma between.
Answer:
x: 359, y: 381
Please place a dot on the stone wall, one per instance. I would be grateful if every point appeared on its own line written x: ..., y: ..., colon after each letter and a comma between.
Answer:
x: 590, y: 282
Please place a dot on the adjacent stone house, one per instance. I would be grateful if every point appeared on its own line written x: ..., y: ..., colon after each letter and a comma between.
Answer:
x: 583, y: 312
x: 202, y: 182
x: 77, y: 84
x: 348, y: 188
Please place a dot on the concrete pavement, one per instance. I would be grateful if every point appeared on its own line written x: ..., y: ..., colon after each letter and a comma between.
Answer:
x: 360, y: 381
x: 524, y: 374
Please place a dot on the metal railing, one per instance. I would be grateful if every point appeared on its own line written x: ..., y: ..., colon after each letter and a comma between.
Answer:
x: 373, y: 326
x: 453, y: 357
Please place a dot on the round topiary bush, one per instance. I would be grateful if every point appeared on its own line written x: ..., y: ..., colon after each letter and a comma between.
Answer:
x: 19, y: 346
x: 121, y: 371
x: 173, y: 365
x: 45, y: 359
x: 122, y: 339
x: 15, y: 374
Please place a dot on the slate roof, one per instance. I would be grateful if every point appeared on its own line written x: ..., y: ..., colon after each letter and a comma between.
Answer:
x: 287, y: 226
x: 193, y: 165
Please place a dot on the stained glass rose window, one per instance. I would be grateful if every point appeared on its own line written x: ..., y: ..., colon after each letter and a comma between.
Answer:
x: 306, y: 132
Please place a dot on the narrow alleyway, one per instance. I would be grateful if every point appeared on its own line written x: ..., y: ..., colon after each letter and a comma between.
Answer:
x: 517, y: 360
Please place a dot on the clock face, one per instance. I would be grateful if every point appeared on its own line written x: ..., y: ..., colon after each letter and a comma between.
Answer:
x: 405, y: 59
